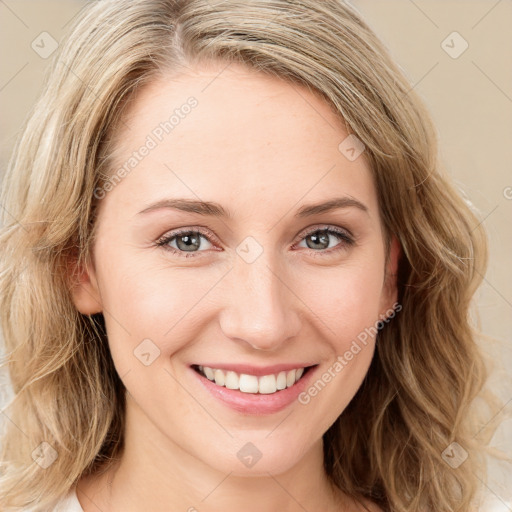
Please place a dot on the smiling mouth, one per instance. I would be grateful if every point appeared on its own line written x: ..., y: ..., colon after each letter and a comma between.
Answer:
x: 265, y: 384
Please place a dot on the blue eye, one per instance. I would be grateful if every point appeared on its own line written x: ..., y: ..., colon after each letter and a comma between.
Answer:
x: 187, y: 242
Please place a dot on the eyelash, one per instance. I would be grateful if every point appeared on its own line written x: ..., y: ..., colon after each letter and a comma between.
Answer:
x: 345, y: 238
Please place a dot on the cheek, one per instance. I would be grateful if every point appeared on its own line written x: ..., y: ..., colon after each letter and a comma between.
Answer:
x: 169, y: 304
x: 148, y: 314
x: 346, y: 299
x: 157, y: 303
x: 349, y: 312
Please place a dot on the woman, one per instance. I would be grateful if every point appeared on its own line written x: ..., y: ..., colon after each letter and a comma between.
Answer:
x: 233, y: 274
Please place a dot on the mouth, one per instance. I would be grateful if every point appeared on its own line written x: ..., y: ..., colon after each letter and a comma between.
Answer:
x: 269, y: 384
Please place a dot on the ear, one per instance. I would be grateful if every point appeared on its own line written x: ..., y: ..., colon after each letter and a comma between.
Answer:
x: 390, y: 289
x: 84, y: 287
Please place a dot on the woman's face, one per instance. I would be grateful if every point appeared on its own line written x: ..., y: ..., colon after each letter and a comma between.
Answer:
x: 214, y: 250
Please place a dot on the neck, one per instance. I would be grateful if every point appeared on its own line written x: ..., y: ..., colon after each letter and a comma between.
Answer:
x: 154, y: 473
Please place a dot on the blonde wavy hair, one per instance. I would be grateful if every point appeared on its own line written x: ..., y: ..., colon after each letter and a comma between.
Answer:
x: 416, y: 399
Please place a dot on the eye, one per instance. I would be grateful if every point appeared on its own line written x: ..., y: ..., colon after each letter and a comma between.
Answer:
x: 319, y: 239
x: 185, y: 241
x: 188, y: 242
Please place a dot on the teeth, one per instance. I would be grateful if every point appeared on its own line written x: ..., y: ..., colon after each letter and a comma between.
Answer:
x: 219, y: 377
x: 232, y: 380
x: 209, y: 373
x: 248, y: 383
x: 281, y: 381
x: 266, y: 384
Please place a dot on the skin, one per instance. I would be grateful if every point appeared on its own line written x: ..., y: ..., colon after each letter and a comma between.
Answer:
x: 262, y: 148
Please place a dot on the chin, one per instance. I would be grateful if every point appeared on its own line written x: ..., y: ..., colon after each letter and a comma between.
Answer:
x: 259, y: 457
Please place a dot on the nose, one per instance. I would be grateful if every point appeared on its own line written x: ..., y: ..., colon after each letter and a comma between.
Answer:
x: 260, y: 307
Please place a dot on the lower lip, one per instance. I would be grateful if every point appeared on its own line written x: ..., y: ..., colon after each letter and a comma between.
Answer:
x: 256, y: 403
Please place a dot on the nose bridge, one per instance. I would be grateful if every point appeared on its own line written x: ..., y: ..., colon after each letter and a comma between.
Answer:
x: 259, y: 308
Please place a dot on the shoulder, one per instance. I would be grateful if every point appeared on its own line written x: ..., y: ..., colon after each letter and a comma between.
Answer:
x: 69, y: 503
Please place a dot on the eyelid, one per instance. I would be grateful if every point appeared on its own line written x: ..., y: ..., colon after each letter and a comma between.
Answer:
x: 166, y: 238
x: 346, y: 238
x: 325, y: 227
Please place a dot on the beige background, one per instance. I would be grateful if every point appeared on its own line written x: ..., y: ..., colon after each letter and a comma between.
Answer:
x: 470, y: 98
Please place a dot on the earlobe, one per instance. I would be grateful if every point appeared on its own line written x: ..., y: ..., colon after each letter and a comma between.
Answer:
x: 84, y: 288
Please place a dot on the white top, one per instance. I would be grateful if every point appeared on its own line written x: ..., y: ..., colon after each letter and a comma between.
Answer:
x: 69, y: 504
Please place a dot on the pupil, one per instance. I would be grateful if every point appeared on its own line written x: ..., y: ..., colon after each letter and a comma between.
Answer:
x: 322, y: 239
x: 189, y: 243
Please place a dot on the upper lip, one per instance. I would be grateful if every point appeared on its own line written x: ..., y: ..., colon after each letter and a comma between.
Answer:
x: 256, y: 370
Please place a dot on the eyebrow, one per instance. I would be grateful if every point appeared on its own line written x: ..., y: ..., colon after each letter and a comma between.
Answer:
x: 212, y: 209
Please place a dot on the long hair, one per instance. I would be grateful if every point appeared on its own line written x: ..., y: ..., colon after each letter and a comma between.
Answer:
x: 390, y: 443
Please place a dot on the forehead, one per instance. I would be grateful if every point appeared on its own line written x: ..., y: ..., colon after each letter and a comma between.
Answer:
x: 246, y: 132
